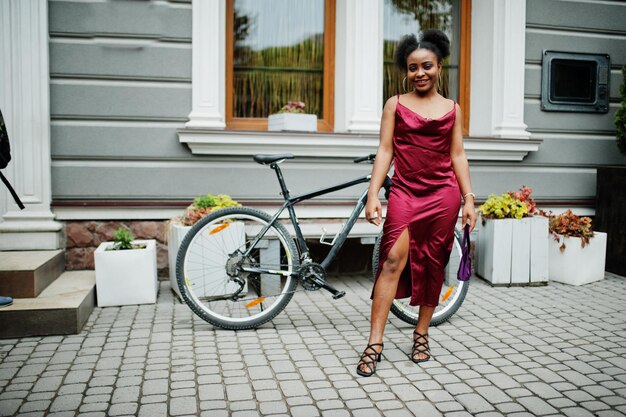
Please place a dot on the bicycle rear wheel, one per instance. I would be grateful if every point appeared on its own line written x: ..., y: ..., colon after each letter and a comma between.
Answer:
x: 231, y: 274
x: 452, y: 295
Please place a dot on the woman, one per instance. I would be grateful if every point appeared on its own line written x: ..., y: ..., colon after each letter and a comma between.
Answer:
x: 421, y: 132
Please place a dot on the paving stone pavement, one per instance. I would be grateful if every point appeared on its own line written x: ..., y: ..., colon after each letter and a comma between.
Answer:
x: 521, y: 351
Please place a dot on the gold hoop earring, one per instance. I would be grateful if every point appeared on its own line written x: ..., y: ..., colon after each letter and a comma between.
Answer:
x: 438, y: 85
x: 404, y: 85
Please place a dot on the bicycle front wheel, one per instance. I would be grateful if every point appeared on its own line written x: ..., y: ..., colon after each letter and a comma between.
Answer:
x: 234, y: 270
x: 452, y: 294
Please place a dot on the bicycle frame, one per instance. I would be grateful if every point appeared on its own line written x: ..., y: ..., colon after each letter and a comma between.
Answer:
x: 289, y: 205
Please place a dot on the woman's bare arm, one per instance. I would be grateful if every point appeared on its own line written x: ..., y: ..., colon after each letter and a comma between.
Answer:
x: 382, y: 163
x: 461, y: 169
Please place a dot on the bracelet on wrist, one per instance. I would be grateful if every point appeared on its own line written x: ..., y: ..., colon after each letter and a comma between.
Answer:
x: 468, y: 194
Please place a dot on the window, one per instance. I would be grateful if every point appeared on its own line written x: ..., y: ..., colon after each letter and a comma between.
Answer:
x: 278, y: 51
x: 575, y: 82
x: 402, y: 17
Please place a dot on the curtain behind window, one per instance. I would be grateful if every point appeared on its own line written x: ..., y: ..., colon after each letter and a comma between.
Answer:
x: 278, y: 56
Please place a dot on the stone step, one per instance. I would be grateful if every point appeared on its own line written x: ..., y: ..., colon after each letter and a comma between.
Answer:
x: 25, y: 274
x: 62, y: 308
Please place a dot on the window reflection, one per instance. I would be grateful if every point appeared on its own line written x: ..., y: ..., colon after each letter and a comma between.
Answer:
x: 278, y: 56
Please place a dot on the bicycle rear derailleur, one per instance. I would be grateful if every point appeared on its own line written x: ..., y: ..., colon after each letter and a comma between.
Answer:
x: 313, y: 277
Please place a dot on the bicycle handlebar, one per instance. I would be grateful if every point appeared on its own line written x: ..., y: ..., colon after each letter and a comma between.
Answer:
x: 369, y: 157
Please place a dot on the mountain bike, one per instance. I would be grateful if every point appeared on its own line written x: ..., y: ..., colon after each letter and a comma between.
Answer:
x: 238, y: 268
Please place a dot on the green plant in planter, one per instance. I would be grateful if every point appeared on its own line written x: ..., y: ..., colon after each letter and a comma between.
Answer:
x: 123, y: 240
x: 620, y: 116
x: 503, y: 206
x: 570, y: 225
x: 511, y: 205
x: 205, y: 204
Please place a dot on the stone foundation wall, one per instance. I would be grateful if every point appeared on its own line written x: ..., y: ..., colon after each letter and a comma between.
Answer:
x: 83, y: 237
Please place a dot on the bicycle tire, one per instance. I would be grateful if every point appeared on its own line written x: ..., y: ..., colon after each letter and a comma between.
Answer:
x: 201, y: 259
x: 408, y: 314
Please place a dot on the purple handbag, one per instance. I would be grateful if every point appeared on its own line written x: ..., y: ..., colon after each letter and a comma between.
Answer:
x: 465, y: 266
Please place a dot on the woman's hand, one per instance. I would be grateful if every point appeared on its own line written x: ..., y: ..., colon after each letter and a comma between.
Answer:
x: 469, y: 213
x: 373, y: 210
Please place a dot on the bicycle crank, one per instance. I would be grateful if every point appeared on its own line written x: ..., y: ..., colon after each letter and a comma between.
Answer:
x: 313, y: 277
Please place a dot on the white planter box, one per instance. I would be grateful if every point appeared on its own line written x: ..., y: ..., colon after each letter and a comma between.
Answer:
x: 175, y: 236
x: 511, y: 251
x: 125, y: 277
x: 228, y: 240
x: 292, y: 121
x: 577, y: 265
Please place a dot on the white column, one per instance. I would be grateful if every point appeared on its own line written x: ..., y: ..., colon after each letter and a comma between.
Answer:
x: 208, y: 61
x: 359, y: 66
x: 25, y: 103
x: 497, y: 69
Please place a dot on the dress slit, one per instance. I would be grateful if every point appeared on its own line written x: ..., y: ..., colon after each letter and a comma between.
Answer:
x: 407, y: 272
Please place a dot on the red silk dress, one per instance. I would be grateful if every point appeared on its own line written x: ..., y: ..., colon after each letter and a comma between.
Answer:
x: 425, y: 198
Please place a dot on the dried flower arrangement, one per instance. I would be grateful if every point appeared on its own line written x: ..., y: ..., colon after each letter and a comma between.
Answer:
x: 293, y: 107
x: 570, y: 225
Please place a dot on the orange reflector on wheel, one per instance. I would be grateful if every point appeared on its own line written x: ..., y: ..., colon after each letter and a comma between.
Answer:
x: 218, y: 229
x: 255, y: 302
x: 447, y: 294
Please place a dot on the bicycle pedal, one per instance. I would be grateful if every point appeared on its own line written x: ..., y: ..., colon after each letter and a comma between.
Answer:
x: 339, y: 295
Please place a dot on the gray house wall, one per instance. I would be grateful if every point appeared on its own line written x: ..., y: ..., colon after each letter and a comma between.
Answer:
x: 121, y: 86
x: 573, y: 142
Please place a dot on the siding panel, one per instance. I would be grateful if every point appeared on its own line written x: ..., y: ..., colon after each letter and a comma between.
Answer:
x: 130, y: 141
x: 180, y: 180
x: 539, y: 40
x: 576, y: 151
x: 108, y: 59
x: 121, y: 18
x: 568, y: 122
x: 592, y: 16
x: 120, y: 101
x: 249, y: 181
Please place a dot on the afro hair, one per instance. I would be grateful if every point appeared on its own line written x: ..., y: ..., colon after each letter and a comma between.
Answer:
x: 431, y: 39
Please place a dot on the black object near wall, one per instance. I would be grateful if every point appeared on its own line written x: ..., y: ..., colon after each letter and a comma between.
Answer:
x: 611, y: 215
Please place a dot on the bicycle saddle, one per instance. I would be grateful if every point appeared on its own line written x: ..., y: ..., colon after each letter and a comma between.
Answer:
x: 268, y: 159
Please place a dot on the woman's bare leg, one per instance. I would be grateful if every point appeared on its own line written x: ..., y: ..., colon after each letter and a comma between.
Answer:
x: 386, y: 286
x: 423, y: 322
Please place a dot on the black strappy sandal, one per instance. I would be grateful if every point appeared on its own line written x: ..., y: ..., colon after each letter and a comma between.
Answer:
x: 420, y: 347
x: 373, y: 357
